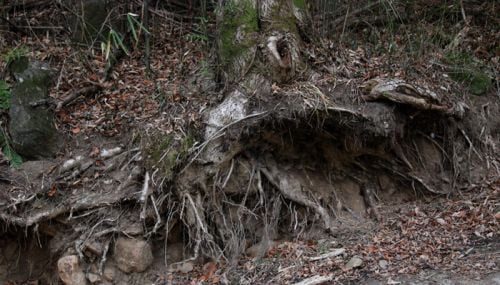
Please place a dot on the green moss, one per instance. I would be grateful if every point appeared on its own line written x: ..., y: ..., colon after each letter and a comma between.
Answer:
x: 465, y: 70
x: 4, y: 95
x: 166, y: 153
x: 15, y: 54
x: 459, y: 58
x: 283, y: 19
x: 18, y: 64
x: 300, y: 4
x: 239, y: 17
x: 477, y: 81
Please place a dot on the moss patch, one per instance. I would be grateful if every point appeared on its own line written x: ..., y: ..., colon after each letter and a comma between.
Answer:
x: 465, y: 70
x: 240, y: 20
x: 300, y: 4
x: 283, y: 19
x: 167, y: 153
x: 4, y: 96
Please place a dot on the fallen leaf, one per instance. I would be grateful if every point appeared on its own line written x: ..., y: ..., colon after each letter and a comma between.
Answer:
x: 52, y: 192
x: 441, y: 221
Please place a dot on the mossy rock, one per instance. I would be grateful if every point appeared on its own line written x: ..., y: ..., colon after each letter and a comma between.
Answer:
x: 31, y: 121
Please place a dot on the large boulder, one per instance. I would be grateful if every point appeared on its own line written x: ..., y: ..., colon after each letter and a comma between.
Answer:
x: 31, y: 125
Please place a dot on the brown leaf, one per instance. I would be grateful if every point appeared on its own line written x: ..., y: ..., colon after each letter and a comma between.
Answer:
x: 52, y: 192
x: 95, y: 151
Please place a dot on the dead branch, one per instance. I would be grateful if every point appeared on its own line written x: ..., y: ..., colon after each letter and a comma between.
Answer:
x: 88, y: 203
x: 334, y: 253
x: 85, y: 91
x: 315, y: 280
x: 401, y: 98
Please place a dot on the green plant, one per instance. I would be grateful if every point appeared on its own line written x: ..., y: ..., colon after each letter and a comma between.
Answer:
x: 464, y: 68
x: 195, y: 37
x: 200, y: 33
x: 135, y: 25
x: 4, y: 96
x: 15, y: 54
x: 116, y: 41
x: 13, y: 157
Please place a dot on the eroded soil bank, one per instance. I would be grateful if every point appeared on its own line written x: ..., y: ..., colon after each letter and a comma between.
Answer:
x: 372, y: 165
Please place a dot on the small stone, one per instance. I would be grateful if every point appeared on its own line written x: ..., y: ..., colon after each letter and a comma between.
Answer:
x: 184, y: 267
x: 383, y: 263
x: 69, y: 270
x: 441, y: 221
x: 354, y: 263
x: 132, y: 255
x: 93, y: 278
x: 109, y: 272
x: 175, y: 252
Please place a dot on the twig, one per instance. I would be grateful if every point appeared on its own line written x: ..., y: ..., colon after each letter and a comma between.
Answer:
x: 85, y: 91
x: 104, y: 257
x: 158, y: 218
x: 147, y: 49
x: 145, y: 189
x: 334, y: 253
x: 315, y: 280
x: 462, y: 10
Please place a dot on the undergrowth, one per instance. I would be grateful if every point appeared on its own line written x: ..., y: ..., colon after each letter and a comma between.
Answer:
x: 14, y: 158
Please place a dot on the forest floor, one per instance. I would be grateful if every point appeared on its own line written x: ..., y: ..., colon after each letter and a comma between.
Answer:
x: 420, y: 239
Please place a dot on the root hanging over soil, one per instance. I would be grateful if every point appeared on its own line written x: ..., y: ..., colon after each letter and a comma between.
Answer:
x: 305, y: 163
x: 327, y: 157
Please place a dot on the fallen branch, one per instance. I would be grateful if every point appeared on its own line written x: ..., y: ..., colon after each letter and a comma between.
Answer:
x: 334, y: 253
x: 315, y: 280
x: 401, y: 98
x: 85, y: 91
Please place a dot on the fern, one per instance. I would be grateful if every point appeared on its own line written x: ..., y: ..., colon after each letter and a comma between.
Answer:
x: 13, y: 157
x: 15, y: 54
x: 4, y: 96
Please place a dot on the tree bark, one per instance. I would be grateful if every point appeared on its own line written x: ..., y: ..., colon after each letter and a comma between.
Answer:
x: 260, y: 38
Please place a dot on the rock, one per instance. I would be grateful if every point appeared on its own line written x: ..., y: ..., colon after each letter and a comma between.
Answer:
x: 69, y: 270
x: 183, y: 267
x: 354, y: 263
x: 132, y: 255
x: 175, y: 252
x: 383, y: 264
x: 93, y: 278
x: 31, y: 126
x: 109, y: 272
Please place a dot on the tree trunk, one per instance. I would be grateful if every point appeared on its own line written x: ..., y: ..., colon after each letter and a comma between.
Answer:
x: 258, y: 45
x: 260, y: 38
